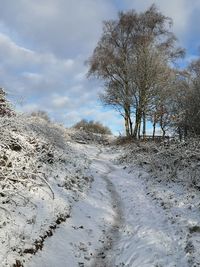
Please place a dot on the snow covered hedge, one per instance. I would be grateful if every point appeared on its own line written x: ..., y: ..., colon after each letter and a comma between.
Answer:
x: 86, y: 137
x: 171, y: 174
x: 174, y: 161
x: 41, y: 175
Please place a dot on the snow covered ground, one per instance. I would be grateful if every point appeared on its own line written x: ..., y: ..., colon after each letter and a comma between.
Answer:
x: 123, y: 221
x: 69, y: 200
x: 41, y: 177
x: 171, y: 175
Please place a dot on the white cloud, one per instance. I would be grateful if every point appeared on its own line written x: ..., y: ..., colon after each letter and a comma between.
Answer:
x: 64, y: 27
x: 60, y: 101
x: 183, y: 12
x: 28, y: 108
x: 44, y: 44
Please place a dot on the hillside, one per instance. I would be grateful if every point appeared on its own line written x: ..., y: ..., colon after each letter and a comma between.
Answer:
x: 73, y: 198
x: 42, y: 175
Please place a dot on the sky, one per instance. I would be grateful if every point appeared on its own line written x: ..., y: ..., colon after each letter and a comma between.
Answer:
x: 44, y: 45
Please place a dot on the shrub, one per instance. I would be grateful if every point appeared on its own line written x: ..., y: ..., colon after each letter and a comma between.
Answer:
x: 92, y: 126
x: 41, y: 114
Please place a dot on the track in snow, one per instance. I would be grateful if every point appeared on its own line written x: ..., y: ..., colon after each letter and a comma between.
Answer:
x: 102, y: 258
x: 116, y: 224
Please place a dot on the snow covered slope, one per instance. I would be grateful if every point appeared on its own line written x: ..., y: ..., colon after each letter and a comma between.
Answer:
x: 41, y: 176
x: 53, y: 215
x: 171, y: 175
x: 117, y: 223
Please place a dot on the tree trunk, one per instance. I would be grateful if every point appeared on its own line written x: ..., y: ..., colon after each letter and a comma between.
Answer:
x: 144, y: 125
x: 162, y: 127
x: 154, y: 129
x: 130, y: 121
x: 164, y: 132
x: 127, y: 121
x: 138, y: 118
x: 131, y: 126
x: 139, y: 129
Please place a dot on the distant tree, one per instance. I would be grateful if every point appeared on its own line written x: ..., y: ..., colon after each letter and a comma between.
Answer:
x: 41, y: 114
x: 160, y: 109
x: 189, y: 103
x: 5, y: 106
x: 92, y: 126
x: 178, y: 102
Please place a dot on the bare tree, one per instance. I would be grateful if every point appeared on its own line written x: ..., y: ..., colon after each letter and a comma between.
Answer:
x: 160, y: 109
x: 132, y: 57
x: 111, y: 61
x: 154, y: 51
x: 189, y: 103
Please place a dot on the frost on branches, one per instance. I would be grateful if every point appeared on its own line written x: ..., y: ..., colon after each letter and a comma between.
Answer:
x: 5, y: 107
x: 40, y: 176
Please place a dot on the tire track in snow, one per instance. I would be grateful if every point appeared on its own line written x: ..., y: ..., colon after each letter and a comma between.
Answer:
x: 103, y: 256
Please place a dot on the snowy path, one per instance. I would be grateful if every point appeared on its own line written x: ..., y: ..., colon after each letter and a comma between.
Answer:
x: 102, y: 258
x: 115, y: 224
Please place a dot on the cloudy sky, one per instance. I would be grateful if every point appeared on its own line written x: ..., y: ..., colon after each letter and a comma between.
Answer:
x: 44, y: 44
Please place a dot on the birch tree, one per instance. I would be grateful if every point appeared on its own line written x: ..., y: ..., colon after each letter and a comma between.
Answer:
x: 111, y: 61
x: 132, y: 57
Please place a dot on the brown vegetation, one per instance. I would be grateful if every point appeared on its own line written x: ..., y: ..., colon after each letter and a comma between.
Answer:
x: 92, y: 126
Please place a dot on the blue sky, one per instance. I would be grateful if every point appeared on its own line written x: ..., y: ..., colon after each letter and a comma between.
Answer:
x: 44, y: 44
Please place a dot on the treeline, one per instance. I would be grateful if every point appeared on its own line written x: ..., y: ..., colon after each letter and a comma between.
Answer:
x: 137, y: 57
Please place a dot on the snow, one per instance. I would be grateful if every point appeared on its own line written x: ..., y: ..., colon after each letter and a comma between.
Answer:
x: 41, y: 178
x: 67, y: 199
x: 75, y: 241
x: 116, y: 224
x: 171, y: 180
x: 147, y: 238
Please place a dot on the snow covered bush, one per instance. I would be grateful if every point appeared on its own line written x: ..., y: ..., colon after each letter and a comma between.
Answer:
x: 92, y: 127
x: 41, y: 174
x: 86, y: 137
x: 41, y: 114
x: 179, y: 161
x: 176, y: 161
x: 5, y: 106
x: 50, y: 132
